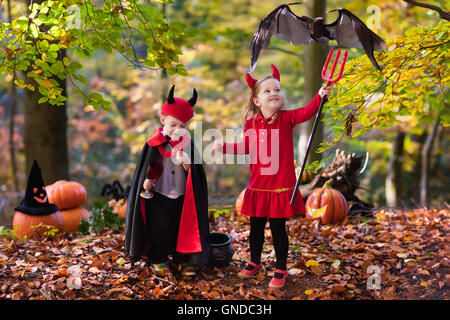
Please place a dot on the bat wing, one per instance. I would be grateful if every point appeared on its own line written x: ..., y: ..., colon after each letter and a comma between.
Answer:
x: 285, y: 25
x: 349, y: 31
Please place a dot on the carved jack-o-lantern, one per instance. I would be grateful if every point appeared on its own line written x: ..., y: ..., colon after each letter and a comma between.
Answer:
x: 35, y: 209
x: 40, y: 195
x: 327, y: 204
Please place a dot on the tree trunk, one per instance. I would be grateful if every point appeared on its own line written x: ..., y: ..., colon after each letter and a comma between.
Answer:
x: 413, y: 191
x: 46, y: 136
x: 13, y: 107
x: 394, y: 175
x: 45, y: 132
x: 438, y: 151
x: 425, y: 172
x: 314, y: 58
x: 12, y: 151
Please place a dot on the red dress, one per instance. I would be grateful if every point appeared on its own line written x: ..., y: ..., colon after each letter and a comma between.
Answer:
x: 272, y: 171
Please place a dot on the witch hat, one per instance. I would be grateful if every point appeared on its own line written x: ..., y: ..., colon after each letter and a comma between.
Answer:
x: 35, y: 201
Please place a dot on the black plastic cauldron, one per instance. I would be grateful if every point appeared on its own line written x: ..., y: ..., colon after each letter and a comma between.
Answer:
x: 222, y: 249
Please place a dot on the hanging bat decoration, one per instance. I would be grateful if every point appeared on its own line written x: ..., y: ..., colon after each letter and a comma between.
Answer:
x: 348, y: 30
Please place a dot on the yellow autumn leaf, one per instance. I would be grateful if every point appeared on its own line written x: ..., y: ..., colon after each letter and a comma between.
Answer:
x: 311, y: 262
x: 46, y: 83
x: 307, y: 292
x: 119, y: 281
x: 424, y: 284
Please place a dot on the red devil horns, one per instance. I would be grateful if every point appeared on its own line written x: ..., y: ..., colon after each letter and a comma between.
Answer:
x: 251, y: 81
x: 275, y: 72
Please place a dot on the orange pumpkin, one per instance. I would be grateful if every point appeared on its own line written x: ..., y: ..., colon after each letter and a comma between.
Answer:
x: 66, y: 194
x: 327, y: 204
x: 307, y: 174
x: 120, y: 206
x: 73, y: 217
x: 23, y: 224
x: 238, y: 205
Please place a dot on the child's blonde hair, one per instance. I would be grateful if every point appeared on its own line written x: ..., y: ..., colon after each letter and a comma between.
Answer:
x: 252, y: 110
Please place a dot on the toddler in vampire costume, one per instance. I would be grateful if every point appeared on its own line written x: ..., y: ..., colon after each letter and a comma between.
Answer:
x: 271, y: 183
x: 175, y: 220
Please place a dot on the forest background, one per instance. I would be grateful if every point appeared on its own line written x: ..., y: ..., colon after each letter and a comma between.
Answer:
x: 105, y: 79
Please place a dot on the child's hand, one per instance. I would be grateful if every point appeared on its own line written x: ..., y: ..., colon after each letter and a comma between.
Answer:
x: 182, y: 157
x: 218, y: 145
x: 148, y: 184
x: 325, y: 90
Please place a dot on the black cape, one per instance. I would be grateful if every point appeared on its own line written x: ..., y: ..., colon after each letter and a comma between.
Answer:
x: 193, y: 235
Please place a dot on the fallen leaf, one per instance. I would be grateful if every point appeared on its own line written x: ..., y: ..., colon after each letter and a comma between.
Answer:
x: 337, y: 288
x: 260, y: 276
x: 316, y: 270
x: 312, y: 263
x: 336, y: 263
x: 214, y: 295
x: 120, y: 281
x: 296, y: 272
x: 276, y: 291
x: 155, y: 292
x: 94, y: 270
x: 62, y: 272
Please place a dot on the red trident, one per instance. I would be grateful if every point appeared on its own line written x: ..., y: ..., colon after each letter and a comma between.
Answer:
x: 329, y: 81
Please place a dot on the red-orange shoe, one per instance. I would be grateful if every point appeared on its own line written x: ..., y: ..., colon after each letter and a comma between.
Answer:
x: 250, y: 270
x: 279, y: 278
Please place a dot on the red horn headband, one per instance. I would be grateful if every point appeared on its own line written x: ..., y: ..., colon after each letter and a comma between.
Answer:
x: 251, y: 82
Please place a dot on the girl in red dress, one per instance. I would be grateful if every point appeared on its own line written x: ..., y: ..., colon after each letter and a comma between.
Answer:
x: 268, y: 139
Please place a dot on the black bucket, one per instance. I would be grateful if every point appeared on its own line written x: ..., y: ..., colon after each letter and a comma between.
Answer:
x: 222, y: 249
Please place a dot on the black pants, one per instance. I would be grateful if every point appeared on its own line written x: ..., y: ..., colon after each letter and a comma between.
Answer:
x: 163, y: 222
x: 279, y: 236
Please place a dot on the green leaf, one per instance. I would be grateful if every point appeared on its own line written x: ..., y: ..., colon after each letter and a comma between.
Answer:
x: 34, y: 30
x: 336, y: 263
x: 442, y: 34
x: 43, y: 90
x: 365, y: 121
x: 75, y: 66
x: 96, y: 96
x: 102, y: 217
x: 43, y: 99
x: 38, y: 22
x: 53, y: 47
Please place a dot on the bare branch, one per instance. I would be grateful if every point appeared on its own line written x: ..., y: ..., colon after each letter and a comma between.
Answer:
x: 285, y: 51
x: 443, y: 14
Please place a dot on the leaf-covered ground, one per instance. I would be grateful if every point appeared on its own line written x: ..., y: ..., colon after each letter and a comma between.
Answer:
x: 407, y: 249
